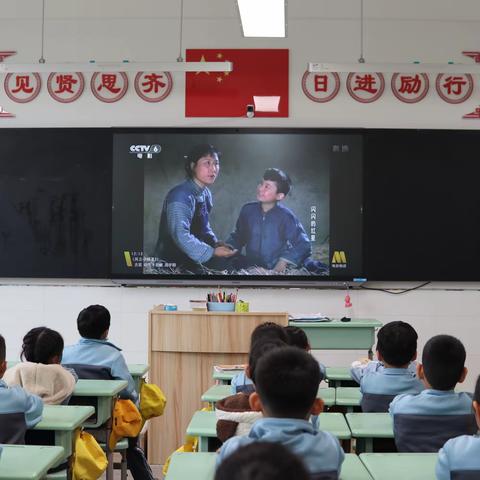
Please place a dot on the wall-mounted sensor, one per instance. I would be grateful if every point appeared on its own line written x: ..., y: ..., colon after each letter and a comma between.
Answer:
x: 250, y: 111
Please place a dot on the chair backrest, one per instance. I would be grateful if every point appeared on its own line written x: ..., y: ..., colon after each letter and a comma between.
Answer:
x: 247, y: 388
x: 90, y: 372
x: 465, y: 475
x: 324, y: 476
x: 428, y: 433
x: 375, y: 402
x: 13, y: 428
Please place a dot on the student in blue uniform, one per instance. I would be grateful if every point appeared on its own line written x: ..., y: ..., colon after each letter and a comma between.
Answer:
x: 394, y: 371
x: 94, y: 349
x: 460, y: 457
x: 19, y: 410
x: 425, y: 421
x: 287, y: 381
x: 265, y: 331
x: 262, y: 461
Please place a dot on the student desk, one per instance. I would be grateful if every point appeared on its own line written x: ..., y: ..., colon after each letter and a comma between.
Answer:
x: 28, y: 462
x: 138, y: 371
x: 201, y: 466
x: 337, y: 335
x: 219, y: 392
x: 400, y: 466
x: 203, y: 425
x: 367, y: 426
x: 224, y: 377
x: 63, y: 420
x: 338, y: 376
x: 348, y: 397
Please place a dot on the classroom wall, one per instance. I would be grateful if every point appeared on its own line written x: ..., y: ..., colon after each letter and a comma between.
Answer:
x: 430, y: 31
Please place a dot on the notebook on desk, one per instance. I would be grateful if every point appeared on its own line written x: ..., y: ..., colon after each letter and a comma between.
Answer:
x: 222, y: 368
x: 309, y: 317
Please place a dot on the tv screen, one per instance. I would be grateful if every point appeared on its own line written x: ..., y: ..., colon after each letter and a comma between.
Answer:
x: 251, y: 205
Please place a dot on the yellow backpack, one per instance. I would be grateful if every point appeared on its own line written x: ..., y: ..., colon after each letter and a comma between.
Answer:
x: 89, y: 460
x: 152, y: 400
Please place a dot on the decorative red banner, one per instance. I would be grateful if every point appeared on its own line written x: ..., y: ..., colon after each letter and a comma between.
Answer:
x: 153, y: 86
x: 410, y: 87
x: 6, y: 53
x: 258, y: 73
x: 65, y: 87
x: 365, y: 87
x: 472, y: 54
x: 454, y: 88
x: 22, y: 87
x: 321, y: 87
x: 109, y: 87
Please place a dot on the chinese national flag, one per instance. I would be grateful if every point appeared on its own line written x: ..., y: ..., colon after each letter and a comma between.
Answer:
x: 258, y: 73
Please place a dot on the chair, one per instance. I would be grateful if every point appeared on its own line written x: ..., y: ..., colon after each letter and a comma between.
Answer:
x: 375, y: 402
x: 428, y: 433
x: 13, y: 428
x: 465, y: 475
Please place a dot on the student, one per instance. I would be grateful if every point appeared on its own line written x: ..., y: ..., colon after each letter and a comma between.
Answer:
x: 287, y: 381
x: 94, y: 349
x: 262, y: 461
x: 234, y: 414
x: 394, y: 373
x: 460, y: 457
x: 265, y: 331
x: 42, y: 373
x: 19, y: 409
x: 425, y: 421
x: 271, y: 233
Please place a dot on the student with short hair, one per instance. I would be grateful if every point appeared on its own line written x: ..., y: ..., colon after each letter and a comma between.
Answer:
x: 424, y: 422
x: 234, y: 414
x: 262, y: 461
x: 42, y: 373
x: 19, y: 410
x: 394, y: 371
x: 460, y: 456
x: 265, y: 331
x: 94, y: 349
x: 287, y: 381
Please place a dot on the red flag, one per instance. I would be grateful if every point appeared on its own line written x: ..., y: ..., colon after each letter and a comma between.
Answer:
x: 256, y: 73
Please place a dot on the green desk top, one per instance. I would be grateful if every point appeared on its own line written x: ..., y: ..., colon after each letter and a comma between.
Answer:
x: 25, y: 462
x: 203, y: 424
x: 370, y: 425
x: 225, y: 374
x: 63, y: 417
x: 361, y: 323
x: 219, y: 392
x: 400, y: 466
x: 99, y: 388
x: 348, y: 396
x: 138, y: 369
x: 338, y: 373
x: 201, y: 466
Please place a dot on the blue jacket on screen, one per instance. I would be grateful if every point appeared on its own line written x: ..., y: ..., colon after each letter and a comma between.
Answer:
x: 90, y: 351
x: 461, y: 454
x: 270, y: 236
x: 320, y: 451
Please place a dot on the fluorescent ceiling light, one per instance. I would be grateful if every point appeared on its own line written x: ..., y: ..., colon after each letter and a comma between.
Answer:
x: 262, y: 18
x: 395, y: 67
x: 6, y: 67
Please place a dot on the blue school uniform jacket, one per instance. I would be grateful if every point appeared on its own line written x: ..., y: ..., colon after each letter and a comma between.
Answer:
x: 461, y: 454
x: 270, y: 236
x: 17, y: 400
x: 320, y: 451
x: 89, y: 351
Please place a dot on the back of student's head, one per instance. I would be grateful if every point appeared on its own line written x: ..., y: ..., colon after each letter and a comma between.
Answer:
x: 268, y: 331
x: 443, y: 361
x: 3, y: 349
x: 93, y: 321
x: 397, y: 343
x: 287, y: 380
x: 260, y: 349
x: 41, y: 345
x: 297, y: 338
x: 262, y: 461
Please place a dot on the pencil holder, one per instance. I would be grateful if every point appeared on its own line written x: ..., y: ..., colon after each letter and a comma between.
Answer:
x: 221, y: 306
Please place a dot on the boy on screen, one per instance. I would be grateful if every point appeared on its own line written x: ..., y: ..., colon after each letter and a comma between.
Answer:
x: 271, y: 233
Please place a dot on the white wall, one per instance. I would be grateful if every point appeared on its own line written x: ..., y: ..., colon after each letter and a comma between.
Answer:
x: 430, y: 31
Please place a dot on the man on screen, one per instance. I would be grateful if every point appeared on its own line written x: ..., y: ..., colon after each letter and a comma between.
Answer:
x: 271, y: 233
x: 185, y: 236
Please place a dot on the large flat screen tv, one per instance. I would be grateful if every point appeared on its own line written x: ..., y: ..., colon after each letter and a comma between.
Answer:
x: 251, y: 206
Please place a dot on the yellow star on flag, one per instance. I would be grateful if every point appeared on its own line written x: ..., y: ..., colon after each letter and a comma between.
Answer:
x: 202, y: 59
